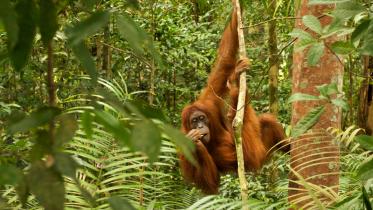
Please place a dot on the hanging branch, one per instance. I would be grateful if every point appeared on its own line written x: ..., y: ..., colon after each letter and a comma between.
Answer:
x: 238, y: 120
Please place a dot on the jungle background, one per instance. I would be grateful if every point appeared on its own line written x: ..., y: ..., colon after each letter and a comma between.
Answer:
x: 91, y: 93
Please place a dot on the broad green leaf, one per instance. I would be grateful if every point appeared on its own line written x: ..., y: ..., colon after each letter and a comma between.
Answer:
x: 360, y: 30
x: 34, y: 120
x: 315, y: 53
x: 312, y: 23
x: 66, y: 130
x: 184, y: 144
x: 42, y: 145
x: 114, y: 126
x: 151, y: 205
x: 344, y: 32
x: 303, y: 44
x: 307, y: 121
x: 117, y: 104
x: 348, y: 9
x: 85, y: 58
x: 22, y: 191
x: 9, y: 175
x: 366, y: 199
x: 118, y: 203
x: 365, y: 170
x: 133, y: 3
x: 87, y: 27
x: 302, y: 97
x: 148, y: 111
x: 313, y: 2
x: 146, y: 138
x: 85, y: 193
x: 334, y: 27
x: 327, y: 89
x: 20, y: 53
x: 301, y: 34
x: 341, y: 47
x: 340, y: 103
x: 365, y: 141
x: 136, y: 36
x: 88, y: 5
x: 66, y: 165
x: 367, y: 47
x: 347, y: 202
x: 87, y: 120
x: 134, y: 110
x: 9, y: 18
x: 47, y: 185
x: 47, y: 20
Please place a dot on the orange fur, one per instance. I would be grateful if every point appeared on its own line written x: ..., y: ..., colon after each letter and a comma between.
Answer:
x: 219, y: 154
x: 272, y: 133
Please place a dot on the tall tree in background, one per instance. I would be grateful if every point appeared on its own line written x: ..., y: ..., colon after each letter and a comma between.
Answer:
x: 365, y: 109
x: 106, y: 52
x: 314, y: 156
x: 273, y: 59
x: 152, y: 64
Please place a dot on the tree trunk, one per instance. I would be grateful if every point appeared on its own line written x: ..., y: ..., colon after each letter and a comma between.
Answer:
x: 152, y: 85
x: 174, y: 90
x: 98, y: 52
x: 370, y: 118
x: 106, y: 54
x: 152, y: 68
x: 50, y: 77
x: 273, y: 62
x: 314, y: 156
x: 365, y: 95
x: 350, y: 117
x: 195, y: 10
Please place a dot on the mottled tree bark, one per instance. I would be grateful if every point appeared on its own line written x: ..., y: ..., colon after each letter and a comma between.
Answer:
x: 314, y: 155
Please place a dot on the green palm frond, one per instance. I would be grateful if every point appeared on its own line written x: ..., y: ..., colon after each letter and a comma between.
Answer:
x: 108, y: 169
x: 351, y: 157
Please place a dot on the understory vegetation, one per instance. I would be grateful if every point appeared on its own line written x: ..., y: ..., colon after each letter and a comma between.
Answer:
x: 91, y: 94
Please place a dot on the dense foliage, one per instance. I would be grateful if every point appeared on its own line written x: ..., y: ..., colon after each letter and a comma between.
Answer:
x: 91, y: 94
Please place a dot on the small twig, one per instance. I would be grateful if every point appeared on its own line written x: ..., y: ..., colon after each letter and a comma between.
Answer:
x: 339, y: 60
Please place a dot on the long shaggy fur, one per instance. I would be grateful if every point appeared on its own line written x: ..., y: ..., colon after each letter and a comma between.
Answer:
x: 219, y: 154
